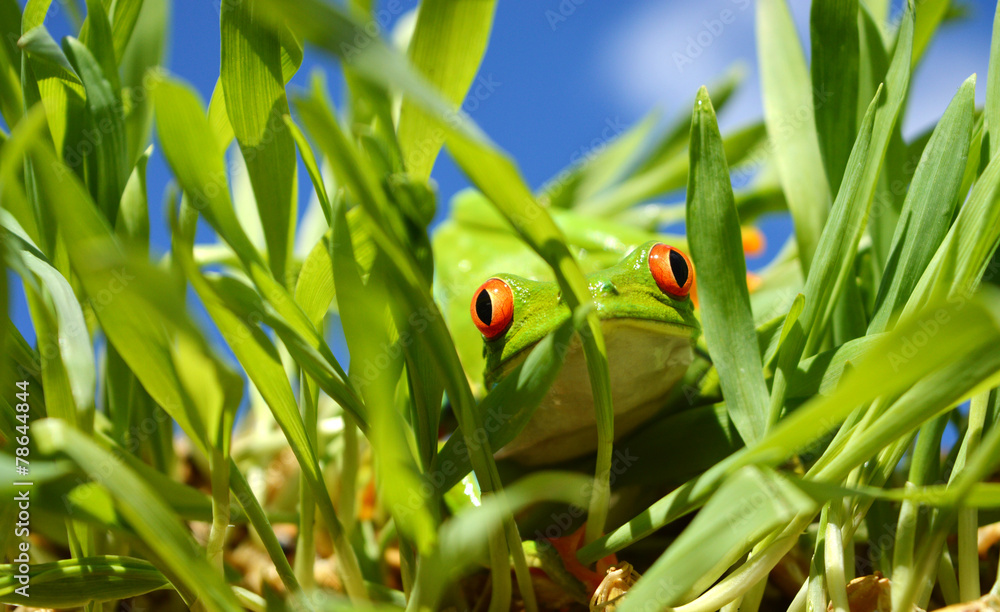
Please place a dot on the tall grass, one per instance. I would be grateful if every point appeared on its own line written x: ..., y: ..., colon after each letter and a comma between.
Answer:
x: 805, y: 442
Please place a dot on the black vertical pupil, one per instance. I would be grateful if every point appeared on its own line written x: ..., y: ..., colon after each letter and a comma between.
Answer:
x: 679, y: 267
x: 484, y: 307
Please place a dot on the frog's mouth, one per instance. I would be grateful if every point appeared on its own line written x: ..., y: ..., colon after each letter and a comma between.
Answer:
x: 634, y: 344
x: 645, y: 359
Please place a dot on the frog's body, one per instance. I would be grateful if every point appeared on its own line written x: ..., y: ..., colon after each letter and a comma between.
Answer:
x: 649, y: 332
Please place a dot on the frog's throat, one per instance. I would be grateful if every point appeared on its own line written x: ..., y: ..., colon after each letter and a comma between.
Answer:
x: 657, y: 328
x: 646, y: 360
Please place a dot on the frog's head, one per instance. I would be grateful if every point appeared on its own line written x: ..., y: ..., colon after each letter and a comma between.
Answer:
x: 645, y: 297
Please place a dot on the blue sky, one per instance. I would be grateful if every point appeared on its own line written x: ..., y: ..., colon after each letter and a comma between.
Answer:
x: 561, y: 72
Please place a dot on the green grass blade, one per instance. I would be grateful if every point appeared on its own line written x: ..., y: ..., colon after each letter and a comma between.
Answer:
x: 791, y: 125
x: 716, y: 245
x: 144, y: 509
x: 71, y: 339
x: 447, y: 46
x: 376, y: 368
x: 970, y: 331
x: 306, y: 153
x: 929, y: 206
x: 140, y: 63
x: 106, y: 167
x: 834, y: 262
x: 11, y: 97
x: 524, y: 388
x: 72, y: 583
x: 125, y: 17
x: 896, y: 86
x: 132, y: 224
x: 929, y: 15
x: 747, y: 506
x: 992, y: 108
x: 96, y: 35
x: 833, y: 27
x: 251, y: 76
x: 263, y: 366
x: 965, y: 252
x: 196, y: 158
x: 124, y: 315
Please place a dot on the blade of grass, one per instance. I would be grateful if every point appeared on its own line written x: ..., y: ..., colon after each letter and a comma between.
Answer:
x: 752, y: 502
x: 791, y: 124
x: 263, y: 366
x: 107, y: 167
x: 72, y: 583
x: 956, y: 346
x: 524, y: 388
x: 833, y: 27
x: 371, y: 335
x: 929, y: 206
x: 834, y: 262
x: 991, y: 110
x: 958, y: 264
x: 447, y: 46
x: 715, y: 242
x: 145, y: 510
x: 251, y: 76
x: 11, y: 97
x: 140, y: 63
x: 896, y: 85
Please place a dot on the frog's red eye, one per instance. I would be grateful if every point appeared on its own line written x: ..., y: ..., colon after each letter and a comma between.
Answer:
x: 492, y: 308
x: 672, y: 270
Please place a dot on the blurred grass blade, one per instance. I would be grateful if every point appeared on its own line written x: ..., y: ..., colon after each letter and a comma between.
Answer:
x: 595, y: 169
x: 524, y: 388
x: 791, y: 125
x: 992, y: 107
x: 896, y: 86
x: 196, y: 159
x: 72, y: 339
x: 833, y: 27
x: 676, y: 137
x: 669, y: 175
x: 752, y: 502
x: 263, y: 366
x: 716, y: 245
x: 11, y: 97
x: 139, y: 63
x: 929, y: 15
x: 884, y: 370
x: 96, y: 35
x: 306, y: 153
x: 72, y: 583
x: 106, y: 166
x: 447, y: 46
x: 144, y: 509
x: 251, y: 76
x: 124, y: 316
x: 929, y: 206
x: 376, y: 368
x: 123, y: 24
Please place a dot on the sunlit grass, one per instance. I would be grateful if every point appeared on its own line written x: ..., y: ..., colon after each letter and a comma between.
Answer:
x: 800, y: 456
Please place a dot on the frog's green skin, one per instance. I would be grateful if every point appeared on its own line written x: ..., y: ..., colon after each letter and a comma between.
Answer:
x: 649, y: 337
x: 476, y: 242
